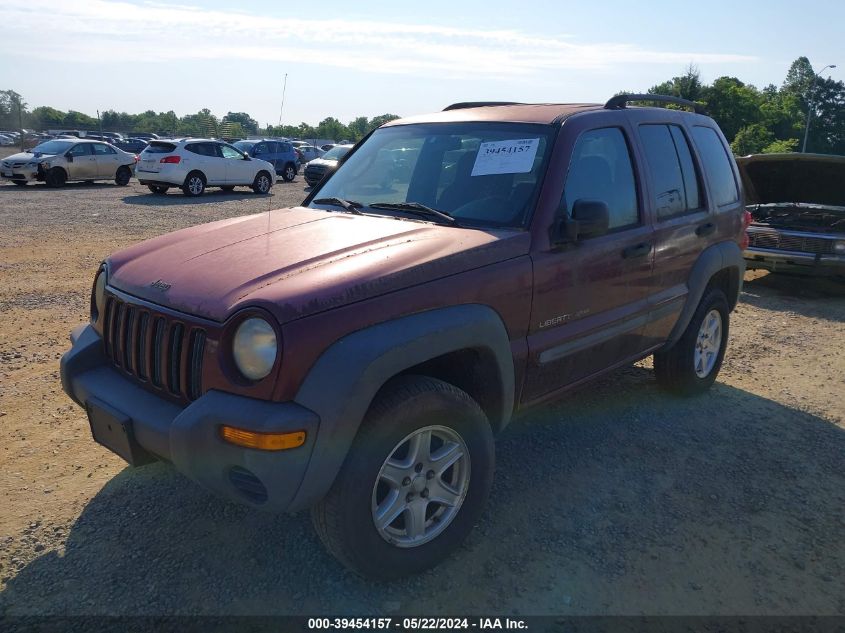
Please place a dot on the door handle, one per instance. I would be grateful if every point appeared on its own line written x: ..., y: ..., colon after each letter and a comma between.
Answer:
x: 639, y: 250
x: 705, y: 229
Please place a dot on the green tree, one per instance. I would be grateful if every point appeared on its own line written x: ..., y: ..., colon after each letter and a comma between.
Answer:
x: 781, y: 147
x: 47, y: 118
x: 248, y: 124
x: 686, y: 86
x: 733, y: 104
x: 380, y: 120
x: 752, y: 139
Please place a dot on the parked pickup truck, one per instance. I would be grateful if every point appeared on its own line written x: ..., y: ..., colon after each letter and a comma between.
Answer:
x: 357, y: 354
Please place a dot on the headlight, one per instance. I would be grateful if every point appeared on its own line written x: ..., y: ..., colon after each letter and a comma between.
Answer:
x: 839, y: 247
x: 255, y: 348
x: 98, y: 299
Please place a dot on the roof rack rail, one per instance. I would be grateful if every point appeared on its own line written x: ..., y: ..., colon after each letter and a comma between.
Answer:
x: 478, y: 104
x: 620, y: 101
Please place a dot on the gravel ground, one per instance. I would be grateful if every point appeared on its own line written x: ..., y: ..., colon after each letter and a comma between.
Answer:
x: 616, y: 500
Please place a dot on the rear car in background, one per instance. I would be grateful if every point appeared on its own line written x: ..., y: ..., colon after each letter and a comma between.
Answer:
x: 319, y: 168
x: 58, y: 161
x: 797, y: 205
x: 131, y: 145
x: 194, y: 164
x: 280, y: 153
x: 309, y: 152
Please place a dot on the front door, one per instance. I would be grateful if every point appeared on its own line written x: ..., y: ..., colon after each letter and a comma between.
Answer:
x: 590, y: 302
x: 84, y: 165
x: 239, y: 170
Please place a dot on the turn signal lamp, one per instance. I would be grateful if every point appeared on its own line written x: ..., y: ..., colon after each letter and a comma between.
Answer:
x: 262, y: 441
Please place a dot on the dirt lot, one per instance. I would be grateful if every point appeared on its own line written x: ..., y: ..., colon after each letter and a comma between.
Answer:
x: 616, y: 500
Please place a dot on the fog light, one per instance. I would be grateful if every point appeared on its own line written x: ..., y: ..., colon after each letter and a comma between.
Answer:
x: 262, y: 441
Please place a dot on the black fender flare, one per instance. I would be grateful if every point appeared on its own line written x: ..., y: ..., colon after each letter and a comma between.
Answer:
x: 347, y: 376
x: 721, y: 256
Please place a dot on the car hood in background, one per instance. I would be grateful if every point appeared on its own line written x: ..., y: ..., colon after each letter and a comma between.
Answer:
x: 817, y: 179
x: 317, y: 162
x: 296, y: 262
x: 25, y: 157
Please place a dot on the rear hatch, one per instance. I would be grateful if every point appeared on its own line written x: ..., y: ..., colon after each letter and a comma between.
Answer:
x: 153, y: 153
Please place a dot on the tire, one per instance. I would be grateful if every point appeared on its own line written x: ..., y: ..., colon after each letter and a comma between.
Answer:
x: 289, y: 172
x: 123, y: 176
x: 680, y: 369
x: 228, y: 188
x: 194, y: 184
x: 158, y: 190
x: 262, y: 183
x: 345, y: 519
x: 56, y: 177
x: 20, y: 183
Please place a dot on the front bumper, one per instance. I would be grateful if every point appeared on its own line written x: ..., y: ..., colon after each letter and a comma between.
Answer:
x: 793, y: 262
x: 189, y: 436
x: 20, y: 174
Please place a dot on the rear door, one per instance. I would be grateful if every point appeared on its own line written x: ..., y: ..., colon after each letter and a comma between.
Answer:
x: 590, y: 303
x: 205, y: 157
x: 84, y: 165
x: 107, y: 159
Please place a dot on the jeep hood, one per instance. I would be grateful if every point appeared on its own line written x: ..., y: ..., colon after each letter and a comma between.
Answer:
x: 817, y: 179
x: 300, y: 261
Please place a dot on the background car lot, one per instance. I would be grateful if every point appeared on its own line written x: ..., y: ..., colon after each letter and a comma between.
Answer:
x: 618, y: 499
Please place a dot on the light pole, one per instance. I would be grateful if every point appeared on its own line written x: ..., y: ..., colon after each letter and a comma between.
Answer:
x: 810, y: 106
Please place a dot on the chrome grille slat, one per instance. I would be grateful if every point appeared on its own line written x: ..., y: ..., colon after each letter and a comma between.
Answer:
x: 154, y: 348
x: 776, y: 240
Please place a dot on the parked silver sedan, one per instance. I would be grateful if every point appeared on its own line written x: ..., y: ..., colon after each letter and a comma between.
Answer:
x: 58, y: 161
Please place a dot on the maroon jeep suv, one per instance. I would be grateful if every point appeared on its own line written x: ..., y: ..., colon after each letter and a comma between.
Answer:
x: 357, y: 354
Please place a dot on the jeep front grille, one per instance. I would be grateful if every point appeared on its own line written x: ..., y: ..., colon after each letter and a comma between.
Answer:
x: 777, y: 240
x: 153, y: 348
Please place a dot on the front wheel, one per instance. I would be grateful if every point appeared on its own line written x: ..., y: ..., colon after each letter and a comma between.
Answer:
x: 56, y: 177
x: 262, y: 183
x: 414, y: 483
x: 691, y: 365
x: 289, y: 172
x: 122, y: 177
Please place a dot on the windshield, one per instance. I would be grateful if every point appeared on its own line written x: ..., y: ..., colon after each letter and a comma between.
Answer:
x: 244, y: 146
x: 52, y: 147
x: 336, y: 153
x: 483, y: 174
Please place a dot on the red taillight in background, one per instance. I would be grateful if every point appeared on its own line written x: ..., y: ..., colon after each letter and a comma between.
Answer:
x: 137, y: 158
x: 171, y: 159
x: 746, y: 222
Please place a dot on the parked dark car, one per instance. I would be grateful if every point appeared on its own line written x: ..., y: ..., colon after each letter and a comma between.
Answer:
x: 797, y: 202
x: 147, y: 136
x: 319, y: 168
x: 133, y: 145
x: 356, y: 354
x: 278, y: 152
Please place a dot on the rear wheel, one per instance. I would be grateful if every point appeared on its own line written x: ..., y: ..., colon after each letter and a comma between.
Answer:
x: 262, y: 182
x: 122, y: 177
x: 691, y: 365
x: 158, y: 189
x: 289, y: 172
x: 414, y: 483
x: 56, y: 177
x: 194, y: 184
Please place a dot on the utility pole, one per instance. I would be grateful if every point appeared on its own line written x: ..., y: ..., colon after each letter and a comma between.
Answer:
x: 20, y: 121
x: 100, y: 123
x: 282, y: 109
x: 810, y: 106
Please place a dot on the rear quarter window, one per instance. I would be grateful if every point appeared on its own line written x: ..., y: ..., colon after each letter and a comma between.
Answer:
x: 717, y: 165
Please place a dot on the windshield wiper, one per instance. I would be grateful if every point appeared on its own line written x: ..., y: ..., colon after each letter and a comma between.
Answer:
x: 348, y: 205
x: 418, y: 208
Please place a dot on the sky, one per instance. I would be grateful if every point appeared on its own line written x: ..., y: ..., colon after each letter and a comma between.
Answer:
x: 365, y: 58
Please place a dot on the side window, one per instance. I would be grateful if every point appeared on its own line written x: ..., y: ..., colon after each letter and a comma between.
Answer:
x: 83, y: 149
x: 668, y: 181
x: 717, y: 165
x: 102, y: 150
x: 285, y: 148
x: 600, y: 169
x: 230, y: 153
x: 259, y: 149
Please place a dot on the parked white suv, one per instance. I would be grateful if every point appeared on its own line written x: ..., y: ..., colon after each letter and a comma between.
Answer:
x: 194, y: 164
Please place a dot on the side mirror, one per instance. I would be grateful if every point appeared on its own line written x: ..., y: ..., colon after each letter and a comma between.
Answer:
x: 69, y: 157
x: 590, y: 218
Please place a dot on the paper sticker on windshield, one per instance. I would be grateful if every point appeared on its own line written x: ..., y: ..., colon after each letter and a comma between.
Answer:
x: 506, y: 157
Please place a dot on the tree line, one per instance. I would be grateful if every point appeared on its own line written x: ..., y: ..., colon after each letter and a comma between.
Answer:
x: 771, y: 119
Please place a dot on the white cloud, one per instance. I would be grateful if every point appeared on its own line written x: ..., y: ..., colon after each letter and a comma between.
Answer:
x: 98, y: 30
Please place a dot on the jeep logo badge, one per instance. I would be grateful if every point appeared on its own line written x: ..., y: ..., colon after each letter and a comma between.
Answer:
x: 160, y: 285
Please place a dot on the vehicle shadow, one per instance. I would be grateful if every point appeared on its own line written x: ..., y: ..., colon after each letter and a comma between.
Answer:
x: 70, y: 186
x: 176, y: 198
x: 819, y: 297
x: 618, y: 499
